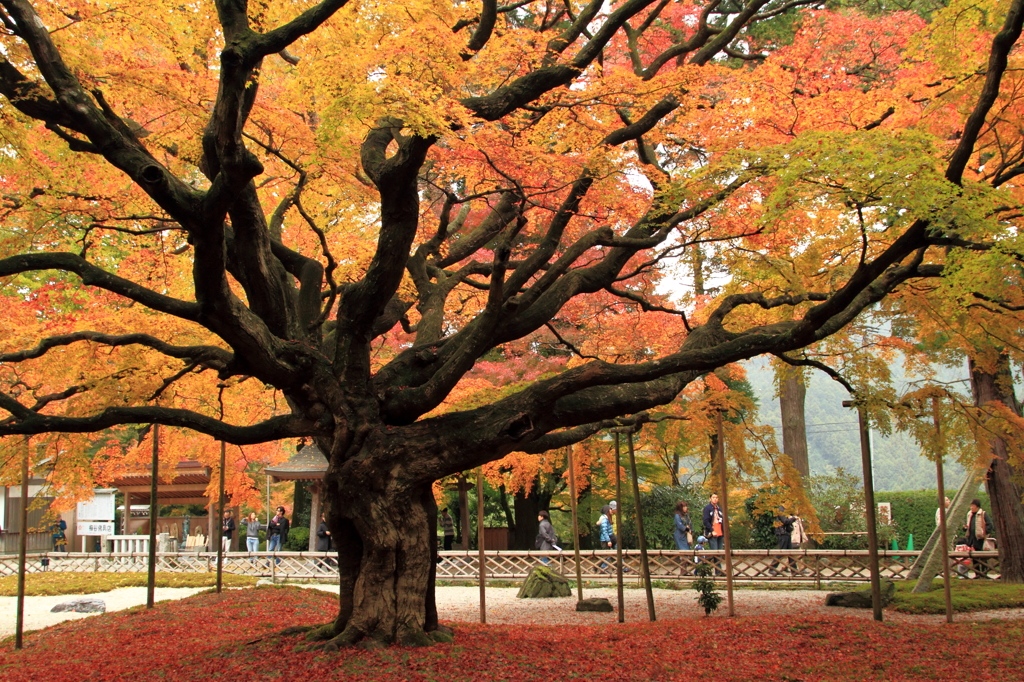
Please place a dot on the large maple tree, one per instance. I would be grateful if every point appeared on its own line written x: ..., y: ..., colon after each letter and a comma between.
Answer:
x: 359, y: 205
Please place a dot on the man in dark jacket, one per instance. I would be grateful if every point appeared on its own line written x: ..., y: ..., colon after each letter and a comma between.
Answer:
x: 783, y: 534
x: 713, y: 523
x: 227, y: 531
x: 277, y: 532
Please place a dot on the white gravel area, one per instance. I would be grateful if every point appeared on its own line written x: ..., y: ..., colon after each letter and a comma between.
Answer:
x: 462, y: 604
x: 38, y: 615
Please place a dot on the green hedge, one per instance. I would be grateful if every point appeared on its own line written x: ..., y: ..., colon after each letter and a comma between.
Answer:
x: 913, y: 513
x: 298, y: 540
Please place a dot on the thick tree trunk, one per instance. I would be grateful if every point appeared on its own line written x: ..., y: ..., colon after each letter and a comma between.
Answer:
x: 526, y: 508
x: 510, y: 519
x: 386, y: 538
x: 1007, y: 512
x: 792, y: 393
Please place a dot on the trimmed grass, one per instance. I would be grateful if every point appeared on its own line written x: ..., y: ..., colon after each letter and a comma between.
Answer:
x: 967, y: 595
x: 53, y: 584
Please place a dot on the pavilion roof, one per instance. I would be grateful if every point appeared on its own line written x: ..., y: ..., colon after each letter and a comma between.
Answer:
x: 186, y: 483
x: 307, y: 464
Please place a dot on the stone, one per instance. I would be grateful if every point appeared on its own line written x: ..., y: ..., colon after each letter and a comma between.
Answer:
x: 598, y: 604
x: 861, y: 599
x: 83, y: 605
x: 542, y: 582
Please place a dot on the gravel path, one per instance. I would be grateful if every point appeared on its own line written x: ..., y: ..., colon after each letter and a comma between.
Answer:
x: 461, y: 604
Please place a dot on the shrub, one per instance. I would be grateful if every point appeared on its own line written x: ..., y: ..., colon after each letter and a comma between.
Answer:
x: 761, y: 526
x: 298, y: 540
x: 913, y: 512
x: 839, y: 502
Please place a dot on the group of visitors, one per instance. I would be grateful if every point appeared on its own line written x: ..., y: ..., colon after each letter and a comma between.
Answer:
x: 276, y: 530
x: 976, y: 531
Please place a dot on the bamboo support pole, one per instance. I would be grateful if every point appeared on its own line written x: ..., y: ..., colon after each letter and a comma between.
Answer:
x: 480, y: 543
x: 575, y: 524
x: 153, y: 506
x: 19, y: 627
x: 645, y: 567
x: 618, y: 533
x: 220, y: 516
x: 942, y: 510
x: 869, y: 501
x: 723, y: 482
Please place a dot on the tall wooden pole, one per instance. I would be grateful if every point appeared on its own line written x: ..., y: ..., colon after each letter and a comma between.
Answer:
x: 19, y: 627
x: 618, y: 533
x: 153, y: 506
x: 723, y: 484
x: 575, y: 524
x: 869, y: 501
x: 480, y: 543
x: 939, y: 453
x: 220, y: 516
x: 644, y: 565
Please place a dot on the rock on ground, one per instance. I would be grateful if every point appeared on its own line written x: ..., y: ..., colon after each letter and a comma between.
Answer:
x: 542, y: 582
x: 861, y: 599
x: 597, y: 604
x: 83, y: 605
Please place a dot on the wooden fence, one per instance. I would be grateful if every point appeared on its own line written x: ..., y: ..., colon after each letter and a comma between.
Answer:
x: 37, y: 542
x: 748, y: 565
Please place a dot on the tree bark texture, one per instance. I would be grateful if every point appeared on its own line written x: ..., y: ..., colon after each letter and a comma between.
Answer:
x: 1002, y: 478
x: 386, y: 546
x: 792, y: 393
x: 526, y: 508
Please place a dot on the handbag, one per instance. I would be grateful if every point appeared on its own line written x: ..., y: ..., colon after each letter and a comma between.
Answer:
x: 689, y: 538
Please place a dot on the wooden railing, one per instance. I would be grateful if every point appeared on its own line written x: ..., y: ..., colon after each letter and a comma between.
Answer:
x: 748, y: 565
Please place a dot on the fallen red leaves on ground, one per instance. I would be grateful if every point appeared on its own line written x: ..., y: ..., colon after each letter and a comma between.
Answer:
x: 231, y: 637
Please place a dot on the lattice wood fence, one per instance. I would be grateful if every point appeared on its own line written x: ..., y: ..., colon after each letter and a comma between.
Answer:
x: 748, y: 565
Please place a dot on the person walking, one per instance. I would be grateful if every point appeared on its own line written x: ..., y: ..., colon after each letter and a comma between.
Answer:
x: 448, y: 529
x: 682, y: 531
x: 227, y: 531
x: 323, y: 536
x: 783, y: 541
x: 606, y: 528
x: 252, y: 533
x: 978, y: 527
x: 323, y: 543
x: 714, y: 528
x: 938, y: 515
x: 546, y: 538
x: 797, y: 540
x: 614, y: 506
x: 277, y: 532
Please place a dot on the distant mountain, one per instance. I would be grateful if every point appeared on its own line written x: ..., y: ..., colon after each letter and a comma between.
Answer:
x: 832, y: 437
